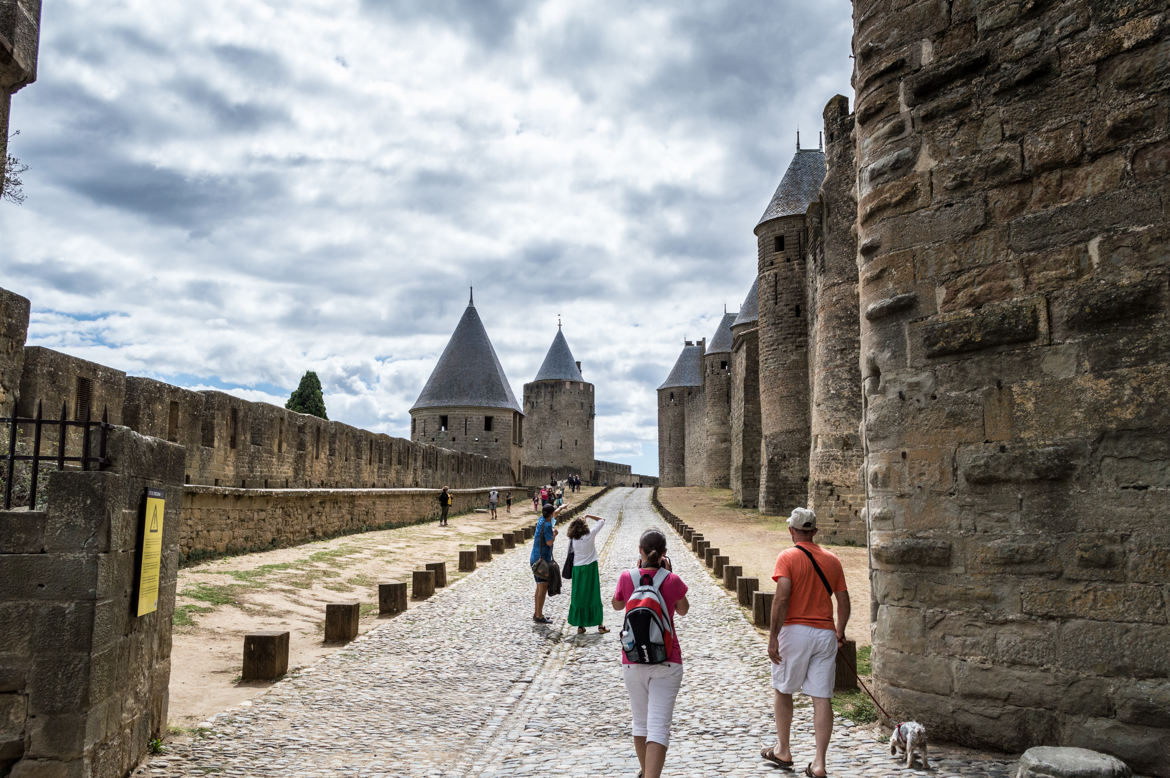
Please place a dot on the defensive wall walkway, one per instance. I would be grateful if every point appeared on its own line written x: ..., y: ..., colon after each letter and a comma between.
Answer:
x: 465, y: 684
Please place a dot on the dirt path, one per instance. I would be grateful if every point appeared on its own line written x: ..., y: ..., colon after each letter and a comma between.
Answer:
x: 753, y: 541
x: 288, y: 588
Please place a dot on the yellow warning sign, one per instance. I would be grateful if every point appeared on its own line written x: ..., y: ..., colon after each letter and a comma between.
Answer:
x: 152, y: 545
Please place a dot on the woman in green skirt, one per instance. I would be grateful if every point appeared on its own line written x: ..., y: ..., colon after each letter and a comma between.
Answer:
x: 585, y: 597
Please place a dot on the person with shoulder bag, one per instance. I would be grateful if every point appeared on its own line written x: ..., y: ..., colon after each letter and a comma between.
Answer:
x: 651, y: 595
x: 541, y: 559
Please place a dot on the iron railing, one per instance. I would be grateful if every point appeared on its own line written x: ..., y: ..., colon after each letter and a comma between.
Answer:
x: 61, y: 457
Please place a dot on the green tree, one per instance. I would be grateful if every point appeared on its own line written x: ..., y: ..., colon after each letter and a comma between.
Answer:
x: 11, y: 170
x: 308, y: 397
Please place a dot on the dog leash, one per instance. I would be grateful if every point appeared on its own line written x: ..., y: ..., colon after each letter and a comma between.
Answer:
x: 853, y: 669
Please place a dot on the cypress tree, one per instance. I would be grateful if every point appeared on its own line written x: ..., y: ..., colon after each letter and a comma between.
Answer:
x: 308, y: 397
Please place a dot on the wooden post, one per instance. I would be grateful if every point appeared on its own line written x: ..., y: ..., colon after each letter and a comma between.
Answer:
x: 695, y: 540
x: 391, y: 598
x: 720, y: 563
x: 688, y: 533
x: 701, y: 548
x: 730, y: 574
x: 744, y: 589
x: 709, y: 555
x: 422, y: 584
x: 466, y: 561
x: 440, y: 571
x: 483, y: 552
x: 509, y: 540
x: 529, y: 532
x: 265, y: 656
x: 497, y: 545
x: 341, y: 621
x: 846, y: 663
x: 762, y: 608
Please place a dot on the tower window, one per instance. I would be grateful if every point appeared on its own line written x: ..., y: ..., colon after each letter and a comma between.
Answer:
x: 442, y: 423
x: 487, y: 423
x: 81, y: 400
x: 796, y: 311
x: 723, y: 365
x: 778, y: 243
x: 173, y: 422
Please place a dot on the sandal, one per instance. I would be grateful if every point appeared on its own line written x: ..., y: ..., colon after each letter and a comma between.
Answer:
x: 542, y: 619
x: 770, y: 755
x: 602, y: 630
x: 808, y: 771
x: 580, y: 630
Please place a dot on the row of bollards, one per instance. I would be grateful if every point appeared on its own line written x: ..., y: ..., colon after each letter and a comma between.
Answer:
x: 266, y: 652
x: 748, y: 594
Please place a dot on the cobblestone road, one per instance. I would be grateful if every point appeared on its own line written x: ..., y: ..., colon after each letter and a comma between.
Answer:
x: 466, y: 685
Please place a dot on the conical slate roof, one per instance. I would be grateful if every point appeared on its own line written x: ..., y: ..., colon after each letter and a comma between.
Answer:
x: 799, y: 186
x: 749, y: 312
x: 721, y: 342
x: 687, y: 370
x: 468, y: 373
x: 559, y: 364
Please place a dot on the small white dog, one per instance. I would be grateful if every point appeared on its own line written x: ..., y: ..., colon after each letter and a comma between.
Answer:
x: 910, y: 737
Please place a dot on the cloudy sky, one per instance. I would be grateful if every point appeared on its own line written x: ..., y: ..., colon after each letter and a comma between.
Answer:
x: 228, y: 193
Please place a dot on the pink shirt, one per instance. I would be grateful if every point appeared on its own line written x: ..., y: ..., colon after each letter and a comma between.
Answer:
x: 673, y: 589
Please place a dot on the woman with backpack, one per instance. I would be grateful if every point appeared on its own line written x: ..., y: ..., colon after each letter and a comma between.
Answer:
x: 585, y: 596
x: 651, y: 656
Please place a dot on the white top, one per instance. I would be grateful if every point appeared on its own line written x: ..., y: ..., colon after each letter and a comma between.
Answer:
x: 584, y: 552
x: 493, y: 495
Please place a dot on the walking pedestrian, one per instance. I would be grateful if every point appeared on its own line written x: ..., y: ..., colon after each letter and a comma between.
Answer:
x: 585, y: 597
x: 444, y: 505
x: 803, y: 638
x: 653, y: 687
x: 493, y: 501
x: 508, y: 502
x: 542, y: 546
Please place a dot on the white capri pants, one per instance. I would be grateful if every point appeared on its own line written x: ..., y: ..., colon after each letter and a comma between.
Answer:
x: 808, y: 661
x: 652, y: 691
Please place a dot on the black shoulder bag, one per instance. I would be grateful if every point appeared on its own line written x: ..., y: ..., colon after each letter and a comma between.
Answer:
x: 817, y: 567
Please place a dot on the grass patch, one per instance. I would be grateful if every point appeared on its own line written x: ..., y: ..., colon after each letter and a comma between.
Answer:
x: 368, y: 609
x: 360, y: 580
x: 332, y: 554
x: 864, y: 665
x: 182, y: 617
x: 155, y: 746
x: 857, y: 706
x: 213, y: 594
x: 256, y: 573
x: 338, y: 586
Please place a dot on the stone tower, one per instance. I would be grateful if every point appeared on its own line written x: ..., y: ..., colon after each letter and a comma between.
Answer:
x: 680, y: 394
x: 558, y: 407
x: 1013, y: 240
x: 717, y: 397
x: 745, y: 402
x: 20, y: 22
x: 783, y: 335
x: 835, y: 456
x: 467, y: 404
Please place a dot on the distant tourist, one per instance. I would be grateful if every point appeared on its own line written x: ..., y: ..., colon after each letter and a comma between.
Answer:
x: 444, y: 506
x: 541, y: 556
x: 803, y: 639
x: 560, y: 500
x: 493, y: 501
x: 585, y: 598
x: 651, y: 661
x: 508, y: 502
x: 536, y: 498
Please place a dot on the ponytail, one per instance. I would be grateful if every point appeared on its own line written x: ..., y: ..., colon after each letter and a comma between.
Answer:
x: 653, y: 546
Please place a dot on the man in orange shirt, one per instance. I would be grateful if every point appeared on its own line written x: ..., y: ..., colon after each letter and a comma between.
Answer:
x: 803, y: 639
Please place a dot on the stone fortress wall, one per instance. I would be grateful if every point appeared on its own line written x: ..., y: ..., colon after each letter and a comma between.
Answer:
x: 559, y: 433
x: 717, y: 420
x: 20, y: 22
x: 1013, y: 172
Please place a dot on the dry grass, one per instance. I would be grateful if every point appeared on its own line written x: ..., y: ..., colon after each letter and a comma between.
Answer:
x: 753, y: 541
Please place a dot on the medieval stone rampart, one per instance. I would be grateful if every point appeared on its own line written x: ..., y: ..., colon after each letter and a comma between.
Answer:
x: 496, y: 434
x: 695, y: 425
x: 672, y: 435
x: 14, y: 312
x: 84, y: 680
x: 717, y: 420
x: 745, y: 416
x: 835, y: 490
x: 559, y: 426
x: 1013, y: 233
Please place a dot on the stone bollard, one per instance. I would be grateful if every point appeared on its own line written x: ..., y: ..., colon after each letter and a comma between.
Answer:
x: 391, y: 598
x: 265, y: 656
x: 440, y: 571
x: 1069, y: 760
x: 509, y: 540
x: 701, y: 548
x: 762, y: 608
x: 422, y: 585
x: 731, y: 574
x: 466, y: 561
x: 696, y: 539
x: 709, y: 556
x: 497, y: 545
x: 720, y: 563
x: 529, y: 532
x: 846, y: 680
x: 341, y: 621
x: 483, y: 552
x: 745, y: 588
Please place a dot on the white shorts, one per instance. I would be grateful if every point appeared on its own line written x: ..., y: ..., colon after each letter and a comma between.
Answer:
x: 652, y: 691
x: 808, y: 661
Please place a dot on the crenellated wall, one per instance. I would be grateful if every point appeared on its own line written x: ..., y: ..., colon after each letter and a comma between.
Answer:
x: 1014, y: 248
x: 835, y: 490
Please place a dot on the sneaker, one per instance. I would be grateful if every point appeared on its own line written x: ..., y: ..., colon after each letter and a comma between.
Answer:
x: 542, y: 619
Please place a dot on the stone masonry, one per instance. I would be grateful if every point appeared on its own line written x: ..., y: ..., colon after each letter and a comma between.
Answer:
x: 1014, y: 248
x: 717, y: 411
x: 745, y: 404
x: 20, y: 23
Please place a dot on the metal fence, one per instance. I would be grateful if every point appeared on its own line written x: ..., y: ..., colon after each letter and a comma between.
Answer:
x: 64, y: 451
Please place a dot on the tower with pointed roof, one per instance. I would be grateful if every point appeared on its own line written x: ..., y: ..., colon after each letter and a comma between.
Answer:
x: 467, y: 403
x: 783, y: 335
x: 717, y: 398
x: 681, y: 414
x: 558, y: 407
x: 745, y: 402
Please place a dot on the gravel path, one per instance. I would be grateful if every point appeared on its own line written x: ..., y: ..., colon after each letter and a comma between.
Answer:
x: 466, y: 685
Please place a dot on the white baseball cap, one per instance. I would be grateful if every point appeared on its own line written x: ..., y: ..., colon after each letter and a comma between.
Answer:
x: 802, y: 519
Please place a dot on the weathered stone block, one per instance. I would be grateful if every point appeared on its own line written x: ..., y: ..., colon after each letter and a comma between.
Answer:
x: 422, y: 584
x: 22, y: 532
x: 1113, y: 650
x: 466, y: 561
x: 902, y: 629
x: 921, y: 673
x: 999, y: 464
x: 342, y: 618
x: 890, y: 306
x: 1069, y: 762
x: 392, y: 596
x: 998, y: 325
x: 265, y: 655
x: 921, y: 552
x: 1095, y: 305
